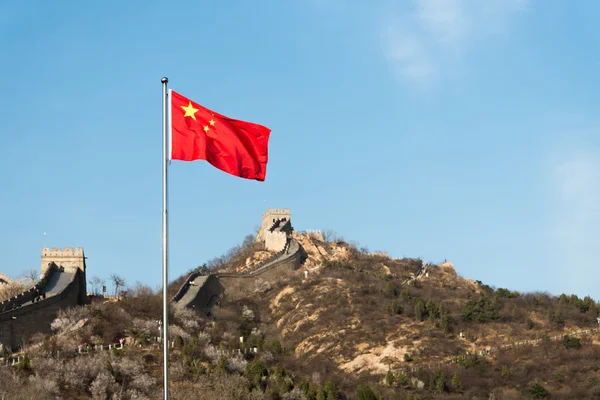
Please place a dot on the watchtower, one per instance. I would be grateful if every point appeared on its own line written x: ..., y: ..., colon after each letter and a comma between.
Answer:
x: 269, y: 217
x: 69, y: 258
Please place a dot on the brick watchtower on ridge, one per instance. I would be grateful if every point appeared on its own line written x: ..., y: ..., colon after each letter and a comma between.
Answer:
x: 275, y: 228
x: 268, y: 219
x: 68, y: 258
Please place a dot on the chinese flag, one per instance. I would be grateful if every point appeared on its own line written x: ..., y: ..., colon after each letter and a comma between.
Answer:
x: 236, y: 147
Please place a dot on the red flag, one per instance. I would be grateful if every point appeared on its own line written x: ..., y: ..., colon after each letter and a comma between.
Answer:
x: 236, y: 147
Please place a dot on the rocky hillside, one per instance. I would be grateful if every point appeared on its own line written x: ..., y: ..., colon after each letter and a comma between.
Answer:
x: 348, y: 324
x: 356, y: 316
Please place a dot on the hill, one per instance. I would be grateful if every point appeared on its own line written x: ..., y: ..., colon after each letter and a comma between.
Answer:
x: 348, y: 324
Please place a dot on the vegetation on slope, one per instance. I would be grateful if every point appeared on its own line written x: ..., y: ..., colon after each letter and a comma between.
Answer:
x: 10, y: 290
x: 14, y: 287
x: 357, y: 327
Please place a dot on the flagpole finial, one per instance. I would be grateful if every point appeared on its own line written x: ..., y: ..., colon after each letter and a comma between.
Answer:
x: 164, y: 80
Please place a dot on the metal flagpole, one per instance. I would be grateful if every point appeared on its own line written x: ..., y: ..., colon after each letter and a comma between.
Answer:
x: 165, y: 259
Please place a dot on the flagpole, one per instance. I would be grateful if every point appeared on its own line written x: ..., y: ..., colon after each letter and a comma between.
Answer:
x: 165, y: 231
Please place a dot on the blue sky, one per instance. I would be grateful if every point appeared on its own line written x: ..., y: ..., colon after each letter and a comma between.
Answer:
x: 464, y: 130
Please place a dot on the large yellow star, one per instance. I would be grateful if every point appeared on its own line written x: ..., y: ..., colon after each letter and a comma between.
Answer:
x: 190, y: 111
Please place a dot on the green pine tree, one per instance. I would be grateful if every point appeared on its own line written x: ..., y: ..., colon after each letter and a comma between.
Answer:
x: 331, y: 390
x: 456, y: 384
x: 389, y: 378
x: 321, y: 394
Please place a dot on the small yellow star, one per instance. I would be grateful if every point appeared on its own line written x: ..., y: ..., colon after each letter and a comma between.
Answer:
x: 211, y: 122
x: 190, y: 111
x: 206, y: 128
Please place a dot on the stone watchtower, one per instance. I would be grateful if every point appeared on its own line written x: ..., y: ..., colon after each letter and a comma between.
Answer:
x: 268, y: 219
x: 68, y: 258
x: 275, y: 240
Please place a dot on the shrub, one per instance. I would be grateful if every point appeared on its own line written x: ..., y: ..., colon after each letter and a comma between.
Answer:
x: 203, y: 338
x: 483, y: 309
x: 584, y: 305
x: 331, y: 390
x: 432, y: 309
x: 505, y: 293
x: 273, y: 346
x: 437, y: 382
x: 194, y: 349
x: 247, y: 314
x: 419, y: 306
x: 255, y: 339
x: 571, y: 342
x: 456, y: 383
x: 364, y: 392
x: 223, y: 364
x: 530, y: 323
x: 556, y: 318
x: 394, y: 308
x: 447, y: 323
x: 389, y: 378
x: 401, y: 379
x: 535, y: 391
x: 24, y: 364
x: 505, y: 372
x: 472, y: 361
x: 405, y: 295
x: 390, y: 290
x: 256, y: 370
x: 142, y: 302
x: 68, y: 317
x: 104, y: 386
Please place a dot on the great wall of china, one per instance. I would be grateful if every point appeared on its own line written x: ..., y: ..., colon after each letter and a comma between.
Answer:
x: 63, y: 282
x: 202, y: 292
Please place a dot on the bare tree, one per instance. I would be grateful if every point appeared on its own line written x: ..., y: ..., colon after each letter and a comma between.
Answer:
x: 30, y: 277
x: 329, y: 235
x: 248, y: 241
x: 97, y: 284
x: 117, y: 281
x: 11, y: 290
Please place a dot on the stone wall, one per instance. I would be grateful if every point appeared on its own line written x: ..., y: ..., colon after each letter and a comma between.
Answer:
x: 17, y: 326
x: 289, y: 256
x: 240, y: 286
x: 209, y: 295
x: 231, y: 287
x: 275, y: 241
x: 28, y: 295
